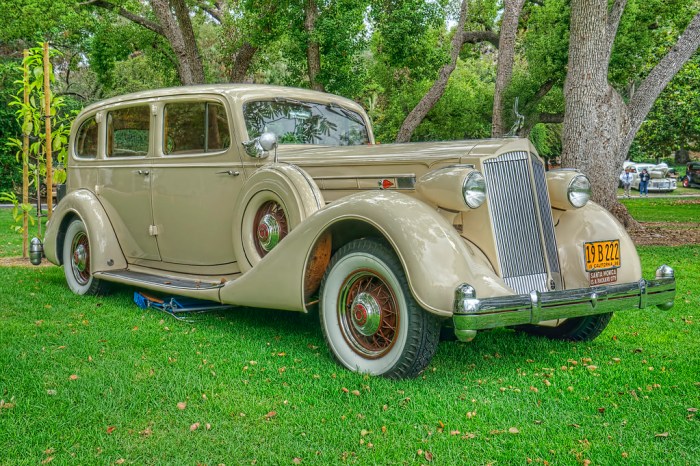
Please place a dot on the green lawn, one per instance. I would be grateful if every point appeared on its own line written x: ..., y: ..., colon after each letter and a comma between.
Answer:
x: 668, y: 209
x: 99, y: 381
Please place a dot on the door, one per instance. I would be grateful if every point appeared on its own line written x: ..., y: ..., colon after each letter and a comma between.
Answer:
x: 195, y: 182
x: 124, y: 180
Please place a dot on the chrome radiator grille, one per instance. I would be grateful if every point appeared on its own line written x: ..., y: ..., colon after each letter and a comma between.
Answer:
x: 525, y: 241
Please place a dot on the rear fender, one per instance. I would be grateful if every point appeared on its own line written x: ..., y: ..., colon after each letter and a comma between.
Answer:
x: 434, y: 256
x: 105, y: 252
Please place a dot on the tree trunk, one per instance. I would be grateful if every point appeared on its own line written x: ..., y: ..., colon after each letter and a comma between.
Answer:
x: 681, y: 157
x: 429, y: 100
x: 241, y: 62
x: 179, y: 33
x: 313, y: 49
x: 598, y: 126
x: 506, y: 56
x: 595, y: 117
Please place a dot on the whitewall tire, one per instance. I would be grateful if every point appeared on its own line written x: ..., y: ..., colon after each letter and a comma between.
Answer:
x: 369, y: 319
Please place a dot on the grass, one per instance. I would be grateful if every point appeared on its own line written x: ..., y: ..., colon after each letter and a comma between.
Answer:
x: 659, y: 209
x: 88, y: 380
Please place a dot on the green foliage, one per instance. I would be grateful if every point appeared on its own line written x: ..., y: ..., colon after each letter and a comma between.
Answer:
x: 674, y: 121
x: 128, y: 58
x: 648, y: 29
x: 18, y: 210
x: 547, y: 140
x: 31, y: 116
x: 410, y: 36
x: 9, y: 128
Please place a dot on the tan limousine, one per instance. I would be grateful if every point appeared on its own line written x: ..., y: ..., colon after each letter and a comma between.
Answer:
x: 279, y: 198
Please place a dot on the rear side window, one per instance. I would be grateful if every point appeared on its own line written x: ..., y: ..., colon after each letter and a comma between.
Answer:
x: 195, y: 127
x: 86, y: 139
x: 128, y: 131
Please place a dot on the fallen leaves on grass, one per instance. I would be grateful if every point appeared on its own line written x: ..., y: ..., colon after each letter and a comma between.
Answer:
x: 194, y: 427
x: 270, y: 415
x: 4, y: 405
x: 73, y: 377
x: 181, y: 406
x: 110, y: 429
x: 662, y: 435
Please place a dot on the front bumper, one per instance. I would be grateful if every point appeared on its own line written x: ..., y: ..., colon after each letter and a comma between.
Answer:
x: 471, y: 313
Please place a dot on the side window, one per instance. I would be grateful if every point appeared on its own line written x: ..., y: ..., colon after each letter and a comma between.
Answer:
x: 127, y: 131
x: 86, y: 139
x: 195, y: 127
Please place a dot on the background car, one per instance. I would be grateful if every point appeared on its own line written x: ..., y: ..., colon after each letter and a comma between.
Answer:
x: 692, y: 175
x: 661, y: 176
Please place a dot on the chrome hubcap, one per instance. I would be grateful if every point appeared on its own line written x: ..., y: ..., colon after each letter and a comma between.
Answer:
x: 268, y: 232
x: 366, y: 314
x: 80, y: 256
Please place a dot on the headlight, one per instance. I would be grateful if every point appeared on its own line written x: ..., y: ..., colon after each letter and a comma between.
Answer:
x: 579, y: 192
x: 474, y: 189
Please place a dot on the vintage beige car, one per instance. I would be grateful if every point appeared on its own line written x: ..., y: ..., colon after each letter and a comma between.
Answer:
x: 280, y: 198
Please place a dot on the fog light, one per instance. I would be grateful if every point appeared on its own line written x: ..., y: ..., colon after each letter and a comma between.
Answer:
x: 36, y: 251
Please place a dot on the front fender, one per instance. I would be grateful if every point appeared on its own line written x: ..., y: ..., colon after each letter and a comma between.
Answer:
x: 105, y: 252
x: 434, y: 256
x: 592, y: 222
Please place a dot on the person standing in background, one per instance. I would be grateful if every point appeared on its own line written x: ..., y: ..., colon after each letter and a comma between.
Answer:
x: 644, y: 183
x: 626, y: 179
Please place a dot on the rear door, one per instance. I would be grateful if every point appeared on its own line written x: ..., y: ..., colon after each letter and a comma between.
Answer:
x: 124, y: 178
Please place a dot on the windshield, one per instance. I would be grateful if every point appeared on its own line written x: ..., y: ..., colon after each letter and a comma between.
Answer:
x: 295, y: 122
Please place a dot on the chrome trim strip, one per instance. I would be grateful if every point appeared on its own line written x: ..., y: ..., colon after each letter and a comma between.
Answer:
x: 547, y: 221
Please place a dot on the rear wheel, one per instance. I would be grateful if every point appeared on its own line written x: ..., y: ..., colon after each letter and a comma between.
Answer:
x: 76, y: 261
x: 576, y: 329
x: 369, y: 319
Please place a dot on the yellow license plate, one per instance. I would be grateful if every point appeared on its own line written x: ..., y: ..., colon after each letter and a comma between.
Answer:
x: 601, y: 255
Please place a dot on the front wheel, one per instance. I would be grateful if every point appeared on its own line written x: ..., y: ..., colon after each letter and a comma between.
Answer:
x: 576, y: 329
x: 76, y: 261
x: 369, y: 319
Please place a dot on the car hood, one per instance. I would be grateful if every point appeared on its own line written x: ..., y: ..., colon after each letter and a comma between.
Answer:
x: 427, y: 153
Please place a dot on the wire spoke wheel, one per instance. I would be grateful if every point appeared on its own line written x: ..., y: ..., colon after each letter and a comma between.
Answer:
x: 369, y: 319
x: 77, y: 261
x: 368, y: 314
x: 80, y: 258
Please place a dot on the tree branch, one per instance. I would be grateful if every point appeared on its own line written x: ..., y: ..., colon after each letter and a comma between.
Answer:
x: 147, y: 23
x: 659, y: 77
x: 436, y: 91
x: 551, y: 118
x: 613, y: 22
x: 473, y: 37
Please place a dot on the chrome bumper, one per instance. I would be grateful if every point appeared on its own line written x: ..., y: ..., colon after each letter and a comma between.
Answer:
x: 471, y: 313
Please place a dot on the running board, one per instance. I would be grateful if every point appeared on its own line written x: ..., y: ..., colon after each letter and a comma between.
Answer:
x: 155, y: 281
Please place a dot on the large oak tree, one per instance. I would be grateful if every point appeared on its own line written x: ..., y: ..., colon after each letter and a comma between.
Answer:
x: 599, y: 126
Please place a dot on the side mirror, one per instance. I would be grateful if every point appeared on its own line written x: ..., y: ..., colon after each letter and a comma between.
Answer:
x: 261, y: 146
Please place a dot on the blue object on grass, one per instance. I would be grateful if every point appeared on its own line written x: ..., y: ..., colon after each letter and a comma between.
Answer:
x: 175, y: 305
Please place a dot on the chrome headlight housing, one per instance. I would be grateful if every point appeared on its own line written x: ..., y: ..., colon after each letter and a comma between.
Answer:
x: 579, y: 191
x: 474, y: 189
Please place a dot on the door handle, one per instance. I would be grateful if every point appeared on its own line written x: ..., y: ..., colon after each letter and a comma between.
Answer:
x: 143, y: 172
x: 229, y: 173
